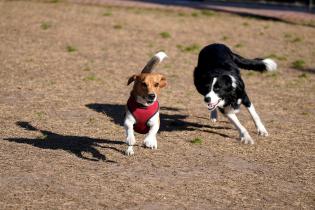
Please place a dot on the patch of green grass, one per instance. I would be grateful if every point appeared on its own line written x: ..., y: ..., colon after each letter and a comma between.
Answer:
x: 305, y: 113
x: 108, y: 13
x: 189, y: 48
x: 287, y: 35
x: 117, y: 26
x: 298, y: 64
x: 195, y: 14
x: 239, y: 45
x: 45, y: 25
x: 92, y: 120
x: 207, y: 12
x: 296, y: 39
x: 266, y: 26
x: 71, y: 48
x: 245, y: 24
x: 165, y: 34
x: 40, y: 115
x: 55, y: 1
x: 182, y: 14
x: 303, y: 76
x: 90, y: 78
x: 277, y: 57
x: 196, y: 141
x: 224, y: 38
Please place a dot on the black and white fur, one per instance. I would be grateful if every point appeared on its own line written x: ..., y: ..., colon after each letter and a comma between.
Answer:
x: 217, y: 77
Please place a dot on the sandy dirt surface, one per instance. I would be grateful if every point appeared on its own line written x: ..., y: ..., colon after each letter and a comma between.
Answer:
x: 63, y: 74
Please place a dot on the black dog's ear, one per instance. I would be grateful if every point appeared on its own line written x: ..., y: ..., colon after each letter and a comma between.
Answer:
x: 132, y: 79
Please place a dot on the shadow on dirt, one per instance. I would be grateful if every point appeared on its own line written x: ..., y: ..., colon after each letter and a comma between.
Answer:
x: 169, y: 122
x: 237, y: 8
x: 72, y: 144
x: 306, y: 70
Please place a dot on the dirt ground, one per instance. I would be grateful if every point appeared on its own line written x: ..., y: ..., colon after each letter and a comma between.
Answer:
x: 63, y: 74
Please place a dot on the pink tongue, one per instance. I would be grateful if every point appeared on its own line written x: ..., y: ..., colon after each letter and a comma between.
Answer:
x: 211, y: 105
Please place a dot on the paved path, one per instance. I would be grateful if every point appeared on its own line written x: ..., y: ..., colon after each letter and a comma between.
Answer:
x: 297, y: 15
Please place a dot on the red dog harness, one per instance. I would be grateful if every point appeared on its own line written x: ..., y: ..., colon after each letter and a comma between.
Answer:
x: 142, y: 114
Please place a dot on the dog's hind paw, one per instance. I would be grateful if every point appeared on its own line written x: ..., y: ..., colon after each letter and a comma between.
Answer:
x: 246, y: 138
x: 129, y: 151
x: 150, y: 142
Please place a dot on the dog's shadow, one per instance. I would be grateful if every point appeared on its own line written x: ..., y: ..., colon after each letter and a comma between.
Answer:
x: 77, y: 145
x: 169, y: 122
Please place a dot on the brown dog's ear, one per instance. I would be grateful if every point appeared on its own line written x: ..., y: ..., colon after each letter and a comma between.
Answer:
x: 131, y: 79
x: 163, y: 81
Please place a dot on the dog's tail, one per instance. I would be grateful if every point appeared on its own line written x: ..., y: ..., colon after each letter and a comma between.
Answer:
x: 152, y: 63
x: 256, y: 64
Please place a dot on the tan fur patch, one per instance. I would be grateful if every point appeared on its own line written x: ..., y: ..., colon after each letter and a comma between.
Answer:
x: 147, y: 83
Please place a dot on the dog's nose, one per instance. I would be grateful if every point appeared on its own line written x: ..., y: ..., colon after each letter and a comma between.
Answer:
x: 207, y: 99
x: 151, y: 96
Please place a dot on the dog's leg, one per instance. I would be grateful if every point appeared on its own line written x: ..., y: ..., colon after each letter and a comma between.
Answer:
x: 251, y: 109
x: 128, y: 124
x: 154, y: 123
x: 214, y: 115
x: 244, y: 135
x: 260, y: 127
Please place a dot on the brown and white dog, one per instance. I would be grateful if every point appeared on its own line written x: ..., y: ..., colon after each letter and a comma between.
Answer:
x: 142, y: 110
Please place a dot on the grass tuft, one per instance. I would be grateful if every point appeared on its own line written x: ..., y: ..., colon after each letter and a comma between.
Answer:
x: 296, y: 39
x: 181, y: 14
x: 195, y: 14
x: 106, y: 14
x: 277, y: 57
x: 239, y: 45
x: 90, y: 78
x: 189, y: 48
x: 165, y: 34
x: 40, y: 115
x: 303, y: 76
x: 207, y: 12
x: 298, y: 64
x: 45, y: 25
x: 71, y: 48
x: 196, y: 141
x: 117, y: 26
x: 245, y: 24
x: 224, y: 38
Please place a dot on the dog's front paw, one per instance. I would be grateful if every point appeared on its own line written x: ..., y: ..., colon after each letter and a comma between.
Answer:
x: 131, y: 140
x: 246, y: 138
x: 129, y: 151
x: 262, y: 131
x: 150, y: 142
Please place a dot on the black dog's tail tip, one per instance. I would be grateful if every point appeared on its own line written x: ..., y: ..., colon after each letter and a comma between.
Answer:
x: 270, y: 64
x: 255, y: 64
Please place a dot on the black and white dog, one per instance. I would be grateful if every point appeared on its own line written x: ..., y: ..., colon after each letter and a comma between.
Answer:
x: 217, y: 78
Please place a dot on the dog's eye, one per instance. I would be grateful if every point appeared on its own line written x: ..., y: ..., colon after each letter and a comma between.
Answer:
x: 156, y: 84
x: 144, y: 85
x: 216, y: 88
